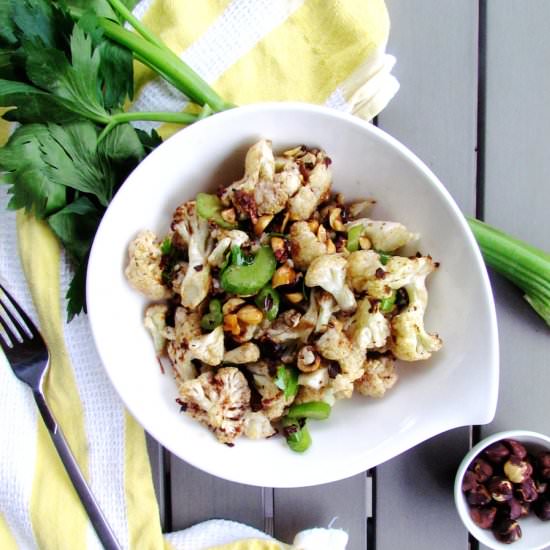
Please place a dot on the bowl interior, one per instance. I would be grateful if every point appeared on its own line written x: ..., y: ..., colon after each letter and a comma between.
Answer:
x: 535, y: 533
x: 458, y: 386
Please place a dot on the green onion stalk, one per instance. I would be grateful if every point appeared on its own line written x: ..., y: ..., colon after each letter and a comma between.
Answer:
x: 522, y: 264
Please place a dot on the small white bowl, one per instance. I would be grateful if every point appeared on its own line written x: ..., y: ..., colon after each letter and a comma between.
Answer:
x: 458, y: 386
x: 535, y: 532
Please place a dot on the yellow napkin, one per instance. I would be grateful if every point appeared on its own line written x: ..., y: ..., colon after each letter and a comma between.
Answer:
x: 321, y: 51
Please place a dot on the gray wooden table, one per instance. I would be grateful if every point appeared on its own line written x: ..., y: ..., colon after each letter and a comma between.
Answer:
x: 474, y: 104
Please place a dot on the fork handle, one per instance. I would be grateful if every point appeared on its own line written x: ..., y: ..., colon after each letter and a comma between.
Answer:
x: 98, y: 520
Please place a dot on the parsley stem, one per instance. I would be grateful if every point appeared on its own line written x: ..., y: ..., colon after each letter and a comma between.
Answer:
x: 166, y: 63
x: 128, y: 16
x: 121, y: 118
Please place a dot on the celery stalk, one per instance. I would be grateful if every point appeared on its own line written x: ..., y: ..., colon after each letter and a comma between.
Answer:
x: 524, y: 265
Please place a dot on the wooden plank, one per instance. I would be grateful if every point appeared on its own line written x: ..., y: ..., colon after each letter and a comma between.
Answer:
x: 197, y: 496
x: 517, y: 195
x: 434, y: 114
x: 342, y: 504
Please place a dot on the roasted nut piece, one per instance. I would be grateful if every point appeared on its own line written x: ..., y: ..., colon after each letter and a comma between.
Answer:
x: 482, y: 469
x: 542, y: 508
x: 364, y: 243
x: 483, y: 517
x: 478, y: 496
x: 469, y: 481
x: 507, y: 530
x: 516, y: 448
x: 250, y: 315
x: 500, y: 488
x: 335, y: 219
x: 229, y: 215
x: 285, y: 275
x: 294, y: 297
x: 513, y: 509
x: 527, y: 491
x: 231, y: 324
x: 232, y: 305
x: 278, y: 245
x: 262, y: 223
x: 543, y: 465
x: 496, y: 453
x: 308, y: 359
x: 517, y: 470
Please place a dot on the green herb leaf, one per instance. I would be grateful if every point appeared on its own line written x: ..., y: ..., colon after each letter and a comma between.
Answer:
x: 76, y: 294
x: 75, y: 226
x: 287, y: 380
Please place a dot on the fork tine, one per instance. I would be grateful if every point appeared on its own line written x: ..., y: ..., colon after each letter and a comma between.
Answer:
x: 27, y: 325
x: 5, y: 330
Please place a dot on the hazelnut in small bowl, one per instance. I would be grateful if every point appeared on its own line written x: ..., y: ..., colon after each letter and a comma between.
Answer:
x: 502, y: 490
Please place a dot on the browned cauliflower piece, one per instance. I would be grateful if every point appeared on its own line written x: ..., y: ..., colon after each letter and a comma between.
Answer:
x: 362, y: 267
x: 316, y: 188
x: 305, y: 246
x: 193, y: 232
x: 273, y: 398
x: 155, y: 322
x: 144, y: 271
x: 384, y: 235
x: 219, y: 400
x: 257, y: 425
x: 187, y: 326
x: 245, y: 353
x: 379, y: 376
x: 334, y: 345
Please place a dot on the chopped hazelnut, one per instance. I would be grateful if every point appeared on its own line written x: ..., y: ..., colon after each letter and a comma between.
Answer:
x: 262, y: 223
x: 482, y: 469
x: 335, y: 219
x: 527, y: 491
x: 542, y: 508
x: 507, y: 530
x: 517, y: 470
x: 516, y: 448
x: 500, y: 488
x: 285, y: 275
x: 250, y: 315
x: 308, y: 359
x: 478, y: 496
x: 496, y: 453
x: 294, y: 297
x: 484, y: 516
x: 229, y: 215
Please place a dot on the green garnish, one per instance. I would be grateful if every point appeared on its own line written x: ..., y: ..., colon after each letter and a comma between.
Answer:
x: 387, y: 304
x: 214, y: 317
x: 247, y: 279
x: 524, y: 265
x: 287, y: 380
x: 268, y: 300
x: 354, y: 234
x: 317, y: 410
x: 297, y: 436
x: 210, y: 207
x: 166, y: 246
x: 66, y: 75
x: 384, y: 256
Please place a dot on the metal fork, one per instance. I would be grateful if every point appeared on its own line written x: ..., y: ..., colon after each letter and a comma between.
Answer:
x: 29, y: 358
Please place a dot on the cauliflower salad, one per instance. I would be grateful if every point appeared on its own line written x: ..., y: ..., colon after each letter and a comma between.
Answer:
x: 274, y: 297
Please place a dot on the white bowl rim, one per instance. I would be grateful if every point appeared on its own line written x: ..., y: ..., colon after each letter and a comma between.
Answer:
x: 356, y: 466
x: 460, y: 501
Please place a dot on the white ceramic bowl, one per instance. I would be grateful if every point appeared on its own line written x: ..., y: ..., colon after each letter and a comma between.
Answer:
x: 457, y: 387
x: 535, y: 533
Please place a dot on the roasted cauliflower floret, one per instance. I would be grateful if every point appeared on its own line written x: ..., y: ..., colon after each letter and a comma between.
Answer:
x: 246, y: 353
x: 316, y: 380
x: 368, y: 328
x: 384, y: 235
x: 379, y: 376
x: 186, y: 328
x: 399, y: 272
x: 257, y: 425
x: 144, y: 270
x: 327, y: 306
x: 155, y: 322
x: 292, y: 326
x: 219, y: 400
x: 329, y: 272
x: 410, y: 340
x: 305, y: 246
x: 362, y: 267
x: 225, y: 240
x: 316, y: 188
x: 208, y: 348
x: 274, y: 401
x: 194, y: 232
x: 342, y: 386
x: 334, y: 345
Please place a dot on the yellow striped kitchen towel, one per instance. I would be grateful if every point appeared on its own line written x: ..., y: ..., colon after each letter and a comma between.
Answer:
x: 320, y: 51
